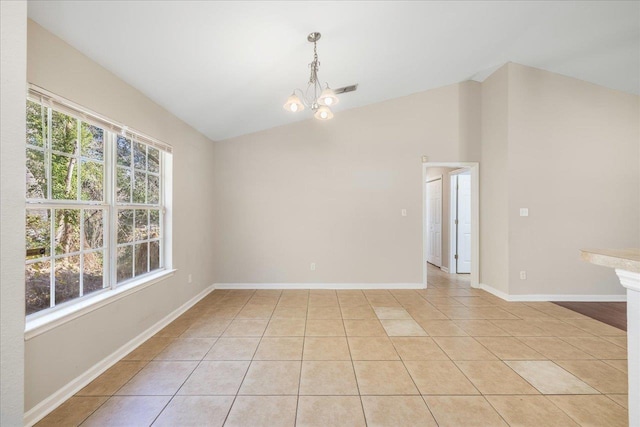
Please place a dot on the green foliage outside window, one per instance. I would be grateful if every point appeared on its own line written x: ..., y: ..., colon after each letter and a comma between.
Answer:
x: 65, y: 234
x: 68, y: 154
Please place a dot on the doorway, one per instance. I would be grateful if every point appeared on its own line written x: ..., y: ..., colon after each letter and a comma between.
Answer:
x: 460, y: 222
x: 443, y: 237
x: 434, y: 221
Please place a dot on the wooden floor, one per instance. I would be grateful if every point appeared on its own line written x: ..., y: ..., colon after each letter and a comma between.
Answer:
x: 611, y: 313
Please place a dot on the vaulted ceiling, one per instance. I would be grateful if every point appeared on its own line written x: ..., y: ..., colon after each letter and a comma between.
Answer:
x: 226, y: 68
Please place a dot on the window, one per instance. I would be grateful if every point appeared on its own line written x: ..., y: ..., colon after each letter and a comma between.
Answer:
x: 95, y: 204
x: 138, y: 208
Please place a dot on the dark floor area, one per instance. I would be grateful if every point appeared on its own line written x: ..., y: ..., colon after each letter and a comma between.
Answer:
x: 611, y: 313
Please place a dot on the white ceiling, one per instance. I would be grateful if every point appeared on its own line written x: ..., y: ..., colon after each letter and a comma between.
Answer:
x: 226, y: 68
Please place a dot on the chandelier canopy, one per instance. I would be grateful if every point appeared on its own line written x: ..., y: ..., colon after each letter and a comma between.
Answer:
x: 314, y: 97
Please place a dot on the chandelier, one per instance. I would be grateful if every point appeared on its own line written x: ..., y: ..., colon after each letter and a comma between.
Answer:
x: 315, y: 97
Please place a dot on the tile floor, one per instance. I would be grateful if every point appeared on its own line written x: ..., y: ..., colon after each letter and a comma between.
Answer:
x: 448, y: 356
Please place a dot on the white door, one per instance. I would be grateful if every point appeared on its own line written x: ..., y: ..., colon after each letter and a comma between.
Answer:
x: 464, y: 224
x: 434, y: 222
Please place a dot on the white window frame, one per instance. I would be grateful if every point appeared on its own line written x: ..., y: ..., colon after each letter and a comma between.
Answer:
x: 48, y: 318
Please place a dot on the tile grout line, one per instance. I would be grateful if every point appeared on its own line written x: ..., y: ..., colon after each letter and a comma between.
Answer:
x: 192, y: 372
x: 133, y: 376
x: 304, y: 339
x: 353, y: 366
x: 188, y: 376
x: 148, y: 362
x: 411, y: 376
x: 245, y: 373
x: 109, y: 396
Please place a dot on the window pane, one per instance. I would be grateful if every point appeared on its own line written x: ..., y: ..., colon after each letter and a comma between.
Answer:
x: 67, y: 228
x: 154, y: 255
x: 92, y: 142
x: 142, y: 225
x: 153, y: 189
x: 38, y: 286
x: 64, y: 177
x: 124, y: 151
x: 36, y: 175
x: 64, y: 133
x: 92, y: 272
x: 141, y: 258
x: 38, y: 230
x: 36, y: 120
x: 125, y: 226
x: 154, y: 223
x: 140, y: 188
x: 93, y: 228
x: 67, y: 277
x: 140, y: 156
x: 125, y: 263
x: 124, y: 185
x: 153, y: 159
x: 92, y: 178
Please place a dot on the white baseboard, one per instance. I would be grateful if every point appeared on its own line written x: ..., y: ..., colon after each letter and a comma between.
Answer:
x: 43, y: 408
x: 552, y: 297
x: 319, y: 286
x: 579, y: 298
x: 494, y: 291
x: 445, y: 269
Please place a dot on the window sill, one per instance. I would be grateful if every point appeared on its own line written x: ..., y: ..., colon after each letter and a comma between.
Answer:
x: 52, y: 320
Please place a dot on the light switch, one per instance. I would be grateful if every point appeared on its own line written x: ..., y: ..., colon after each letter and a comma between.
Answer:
x: 524, y: 211
x: 403, y: 212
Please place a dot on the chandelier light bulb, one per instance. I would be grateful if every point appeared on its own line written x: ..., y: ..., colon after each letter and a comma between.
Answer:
x: 328, y: 97
x: 293, y: 104
x: 323, y: 113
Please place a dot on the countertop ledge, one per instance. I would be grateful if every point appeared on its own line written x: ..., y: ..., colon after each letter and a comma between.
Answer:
x: 624, y: 259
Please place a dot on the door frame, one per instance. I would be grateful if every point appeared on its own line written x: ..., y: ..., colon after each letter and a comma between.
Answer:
x: 453, y: 209
x: 426, y: 182
x: 474, y: 168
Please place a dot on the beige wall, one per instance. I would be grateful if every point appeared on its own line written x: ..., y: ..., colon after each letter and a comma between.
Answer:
x: 574, y: 161
x: 494, y: 184
x: 332, y: 193
x: 81, y: 343
x: 13, y: 69
x: 470, y: 120
x: 446, y: 210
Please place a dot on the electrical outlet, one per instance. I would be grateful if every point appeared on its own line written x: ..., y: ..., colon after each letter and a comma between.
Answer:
x: 524, y: 211
x: 523, y: 275
x: 190, y: 278
x: 313, y: 266
x: 403, y: 212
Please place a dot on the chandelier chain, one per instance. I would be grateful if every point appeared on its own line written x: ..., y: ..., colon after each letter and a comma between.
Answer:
x: 315, y: 65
